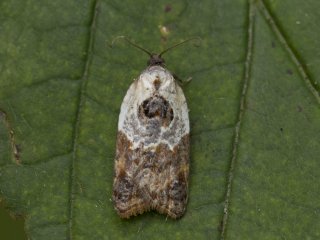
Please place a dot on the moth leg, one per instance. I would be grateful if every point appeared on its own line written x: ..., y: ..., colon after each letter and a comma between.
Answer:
x: 182, y: 82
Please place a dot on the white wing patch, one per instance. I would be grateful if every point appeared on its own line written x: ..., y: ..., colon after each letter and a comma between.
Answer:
x: 158, y: 85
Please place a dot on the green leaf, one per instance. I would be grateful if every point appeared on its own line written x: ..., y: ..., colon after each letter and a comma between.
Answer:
x: 254, y: 111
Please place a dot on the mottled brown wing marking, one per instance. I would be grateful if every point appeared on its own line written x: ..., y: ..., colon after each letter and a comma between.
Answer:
x: 151, y: 179
x: 123, y: 188
x: 156, y: 109
x: 157, y: 83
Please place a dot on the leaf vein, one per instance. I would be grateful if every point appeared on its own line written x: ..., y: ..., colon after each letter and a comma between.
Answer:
x: 81, y: 101
x: 301, y: 69
x: 247, y: 66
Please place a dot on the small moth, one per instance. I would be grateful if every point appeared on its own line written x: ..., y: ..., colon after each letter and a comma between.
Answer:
x: 152, y: 152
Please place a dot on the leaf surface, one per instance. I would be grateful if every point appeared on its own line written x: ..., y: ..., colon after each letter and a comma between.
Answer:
x: 254, y: 112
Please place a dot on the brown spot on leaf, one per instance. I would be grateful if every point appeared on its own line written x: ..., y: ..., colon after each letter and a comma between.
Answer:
x: 168, y: 8
x: 289, y: 72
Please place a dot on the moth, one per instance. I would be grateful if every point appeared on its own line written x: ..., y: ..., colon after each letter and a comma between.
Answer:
x: 152, y: 149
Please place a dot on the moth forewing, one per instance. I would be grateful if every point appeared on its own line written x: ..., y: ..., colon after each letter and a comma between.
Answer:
x: 152, y: 150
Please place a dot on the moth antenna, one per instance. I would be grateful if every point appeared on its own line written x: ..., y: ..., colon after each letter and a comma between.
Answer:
x: 178, y: 44
x: 133, y: 44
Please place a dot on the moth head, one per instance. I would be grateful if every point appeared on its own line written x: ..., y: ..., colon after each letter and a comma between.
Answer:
x: 156, y: 60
